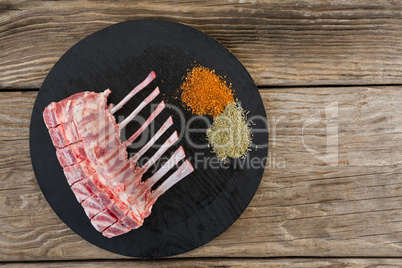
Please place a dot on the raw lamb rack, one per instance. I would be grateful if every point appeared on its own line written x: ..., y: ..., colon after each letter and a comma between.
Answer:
x: 105, y: 181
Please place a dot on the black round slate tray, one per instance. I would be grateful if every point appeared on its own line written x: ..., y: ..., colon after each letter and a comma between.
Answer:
x: 208, y: 201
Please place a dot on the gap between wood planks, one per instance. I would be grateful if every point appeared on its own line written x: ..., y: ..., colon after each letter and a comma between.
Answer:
x: 291, y: 261
x: 262, y: 87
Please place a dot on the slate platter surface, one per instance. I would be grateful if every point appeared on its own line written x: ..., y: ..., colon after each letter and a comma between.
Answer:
x: 208, y: 201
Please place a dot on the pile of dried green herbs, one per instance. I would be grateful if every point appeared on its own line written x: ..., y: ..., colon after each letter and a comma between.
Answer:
x: 229, y: 134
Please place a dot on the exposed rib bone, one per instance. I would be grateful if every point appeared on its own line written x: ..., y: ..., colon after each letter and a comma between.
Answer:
x: 137, y: 89
x: 166, y: 145
x: 138, y: 193
x: 154, y: 114
x: 139, y: 108
x: 185, y: 169
x: 173, y: 160
x: 151, y: 142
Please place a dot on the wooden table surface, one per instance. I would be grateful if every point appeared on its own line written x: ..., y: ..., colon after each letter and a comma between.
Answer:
x: 330, y: 76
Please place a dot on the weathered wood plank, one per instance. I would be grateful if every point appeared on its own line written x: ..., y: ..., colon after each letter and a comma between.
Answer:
x: 280, y: 42
x: 304, y: 206
x: 221, y: 262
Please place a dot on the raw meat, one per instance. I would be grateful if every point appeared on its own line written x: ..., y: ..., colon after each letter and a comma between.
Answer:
x: 108, y: 184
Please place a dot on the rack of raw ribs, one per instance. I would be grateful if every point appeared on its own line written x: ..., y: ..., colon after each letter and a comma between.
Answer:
x: 107, y: 183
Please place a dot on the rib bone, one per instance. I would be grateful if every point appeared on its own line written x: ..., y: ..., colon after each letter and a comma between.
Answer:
x: 139, y: 108
x: 151, y: 118
x: 151, y: 142
x: 173, y: 160
x: 137, y: 89
x: 169, y: 142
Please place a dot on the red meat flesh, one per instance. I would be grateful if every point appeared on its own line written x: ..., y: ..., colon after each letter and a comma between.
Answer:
x: 92, y: 206
x: 103, y: 220
x: 78, y: 171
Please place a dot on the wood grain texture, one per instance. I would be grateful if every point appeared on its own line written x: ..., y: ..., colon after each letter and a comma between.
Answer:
x: 280, y: 42
x: 306, y: 205
x: 222, y: 262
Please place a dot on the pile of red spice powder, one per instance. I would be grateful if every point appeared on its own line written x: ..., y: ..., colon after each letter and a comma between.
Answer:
x: 204, y: 92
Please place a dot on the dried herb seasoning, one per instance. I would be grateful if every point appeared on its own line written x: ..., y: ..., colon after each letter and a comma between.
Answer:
x: 229, y: 134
